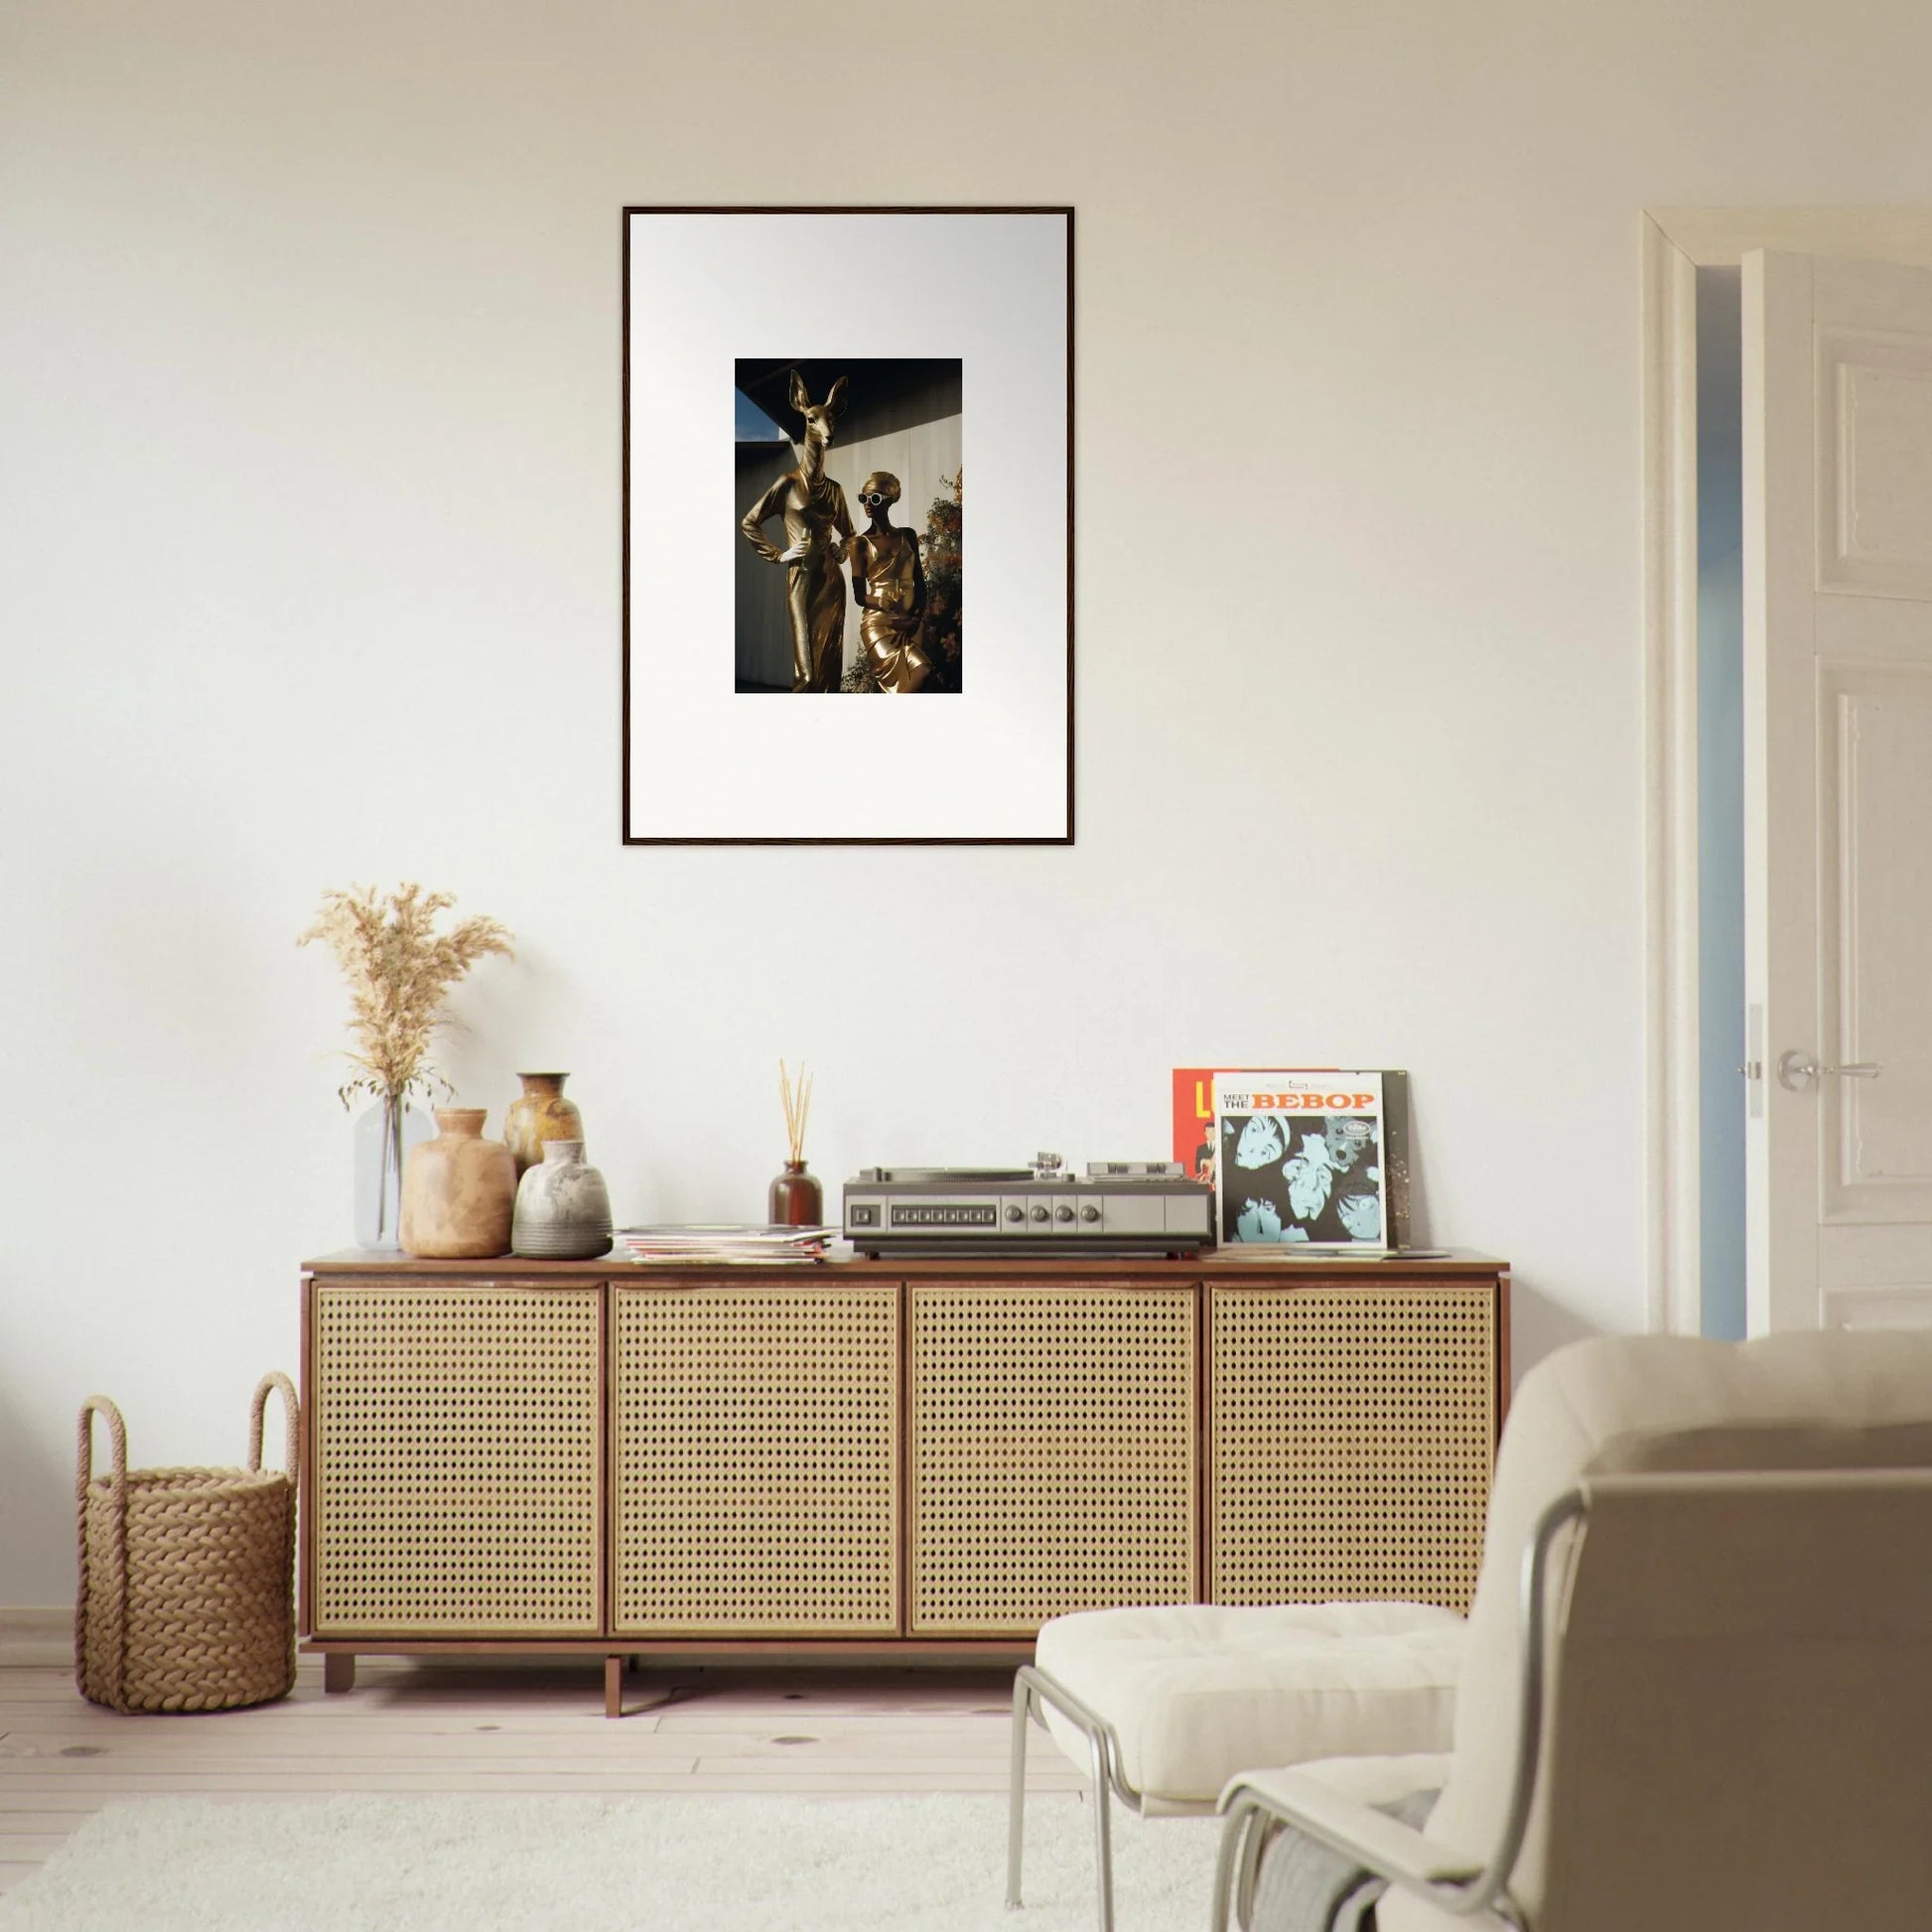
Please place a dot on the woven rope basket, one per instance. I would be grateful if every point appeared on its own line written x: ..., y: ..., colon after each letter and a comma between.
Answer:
x: 185, y: 1599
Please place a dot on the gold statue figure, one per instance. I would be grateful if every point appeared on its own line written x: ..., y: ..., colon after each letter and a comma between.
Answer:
x: 817, y: 528
x: 890, y: 583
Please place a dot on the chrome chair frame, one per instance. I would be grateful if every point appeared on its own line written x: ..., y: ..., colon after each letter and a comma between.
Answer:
x: 1032, y: 1688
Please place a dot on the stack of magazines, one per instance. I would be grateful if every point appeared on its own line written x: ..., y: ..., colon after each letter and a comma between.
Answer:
x: 725, y: 1241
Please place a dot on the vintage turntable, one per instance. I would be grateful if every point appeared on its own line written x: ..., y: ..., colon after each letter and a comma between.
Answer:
x: 1117, y: 1208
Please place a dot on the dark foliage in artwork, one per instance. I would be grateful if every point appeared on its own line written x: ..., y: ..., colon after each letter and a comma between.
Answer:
x: 940, y: 557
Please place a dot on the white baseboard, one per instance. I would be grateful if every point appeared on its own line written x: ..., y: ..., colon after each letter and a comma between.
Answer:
x: 38, y: 1637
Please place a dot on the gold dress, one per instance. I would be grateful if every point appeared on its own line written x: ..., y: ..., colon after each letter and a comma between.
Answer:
x: 815, y: 517
x: 884, y: 571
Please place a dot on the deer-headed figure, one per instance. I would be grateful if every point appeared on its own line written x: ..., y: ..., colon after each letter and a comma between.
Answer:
x: 818, y: 527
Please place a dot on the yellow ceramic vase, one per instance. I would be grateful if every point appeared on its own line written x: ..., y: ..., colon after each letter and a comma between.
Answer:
x: 458, y: 1191
x: 540, y: 1113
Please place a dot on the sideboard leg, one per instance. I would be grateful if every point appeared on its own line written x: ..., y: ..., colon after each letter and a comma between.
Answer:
x: 337, y: 1671
x: 613, y: 1687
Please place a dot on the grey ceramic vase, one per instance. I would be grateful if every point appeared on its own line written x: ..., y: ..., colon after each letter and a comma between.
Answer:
x: 563, y: 1208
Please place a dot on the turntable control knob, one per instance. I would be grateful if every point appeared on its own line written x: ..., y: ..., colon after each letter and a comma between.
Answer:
x: 1039, y: 1213
x: 1062, y: 1212
x: 1089, y: 1212
x: 1014, y: 1212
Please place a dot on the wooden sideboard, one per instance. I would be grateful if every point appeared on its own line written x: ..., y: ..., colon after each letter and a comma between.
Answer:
x: 881, y: 1460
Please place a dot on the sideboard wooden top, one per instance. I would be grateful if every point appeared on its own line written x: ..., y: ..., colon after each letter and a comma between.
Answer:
x: 1221, y: 1265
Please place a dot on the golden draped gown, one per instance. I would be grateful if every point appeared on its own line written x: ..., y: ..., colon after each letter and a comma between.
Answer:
x: 894, y: 633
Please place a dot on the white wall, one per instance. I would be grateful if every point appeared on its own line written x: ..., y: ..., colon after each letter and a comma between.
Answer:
x: 308, y: 447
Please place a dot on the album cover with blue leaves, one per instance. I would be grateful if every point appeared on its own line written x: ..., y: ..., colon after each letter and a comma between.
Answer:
x: 1314, y: 1157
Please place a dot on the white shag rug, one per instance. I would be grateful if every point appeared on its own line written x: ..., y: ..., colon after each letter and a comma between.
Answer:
x: 672, y: 1864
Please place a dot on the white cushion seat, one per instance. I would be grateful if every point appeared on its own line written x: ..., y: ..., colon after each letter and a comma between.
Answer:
x: 1197, y: 1692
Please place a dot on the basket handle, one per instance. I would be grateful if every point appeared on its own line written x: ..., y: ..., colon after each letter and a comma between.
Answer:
x: 291, y: 1414
x: 103, y: 1649
x: 98, y: 1405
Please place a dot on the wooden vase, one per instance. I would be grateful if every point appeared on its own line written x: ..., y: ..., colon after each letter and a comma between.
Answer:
x: 458, y: 1191
x: 539, y: 1114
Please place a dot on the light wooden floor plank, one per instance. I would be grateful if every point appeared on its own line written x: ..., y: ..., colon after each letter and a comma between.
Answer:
x: 26, y: 1849
x: 387, y: 1682
x: 57, y: 1754
x: 879, y: 1781
x: 646, y: 1752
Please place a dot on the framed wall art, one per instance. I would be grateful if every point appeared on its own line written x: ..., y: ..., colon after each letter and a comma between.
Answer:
x: 803, y: 392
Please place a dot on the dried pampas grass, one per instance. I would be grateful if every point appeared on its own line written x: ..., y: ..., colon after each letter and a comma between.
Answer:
x: 399, y: 970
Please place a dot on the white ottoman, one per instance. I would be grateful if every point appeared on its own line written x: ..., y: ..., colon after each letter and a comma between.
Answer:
x: 1164, y: 1706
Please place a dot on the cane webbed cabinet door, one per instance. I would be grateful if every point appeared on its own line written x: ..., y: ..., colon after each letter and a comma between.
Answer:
x: 458, y: 1442
x: 1352, y: 1437
x: 755, y: 1480
x: 1053, y: 1459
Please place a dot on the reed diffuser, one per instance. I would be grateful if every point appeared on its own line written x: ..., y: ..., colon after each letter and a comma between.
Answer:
x: 796, y: 1200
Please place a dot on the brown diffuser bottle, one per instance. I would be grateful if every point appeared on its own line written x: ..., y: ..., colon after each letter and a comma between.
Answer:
x: 795, y: 1200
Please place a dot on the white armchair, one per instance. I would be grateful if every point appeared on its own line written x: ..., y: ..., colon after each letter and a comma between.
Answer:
x: 1697, y: 1695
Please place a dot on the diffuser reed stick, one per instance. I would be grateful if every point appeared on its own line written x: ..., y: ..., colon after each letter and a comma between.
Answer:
x: 798, y: 1102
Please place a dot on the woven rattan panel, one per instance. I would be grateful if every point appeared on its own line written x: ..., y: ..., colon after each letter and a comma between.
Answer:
x: 457, y: 1439
x: 1053, y: 1439
x: 757, y: 1459
x: 1351, y: 1442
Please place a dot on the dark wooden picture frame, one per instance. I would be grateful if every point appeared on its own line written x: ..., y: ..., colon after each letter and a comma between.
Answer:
x: 633, y: 833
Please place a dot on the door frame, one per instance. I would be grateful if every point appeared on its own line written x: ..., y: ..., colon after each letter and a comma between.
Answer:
x: 1675, y: 244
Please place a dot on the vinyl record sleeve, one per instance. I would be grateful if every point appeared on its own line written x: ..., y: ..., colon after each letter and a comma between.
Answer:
x: 1197, y: 1146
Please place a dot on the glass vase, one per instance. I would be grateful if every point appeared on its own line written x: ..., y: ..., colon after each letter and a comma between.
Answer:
x: 384, y: 1134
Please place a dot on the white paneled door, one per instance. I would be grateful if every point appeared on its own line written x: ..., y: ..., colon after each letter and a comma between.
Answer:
x: 1838, y: 789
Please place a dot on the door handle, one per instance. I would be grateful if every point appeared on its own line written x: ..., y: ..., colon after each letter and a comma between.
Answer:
x: 1797, y: 1070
